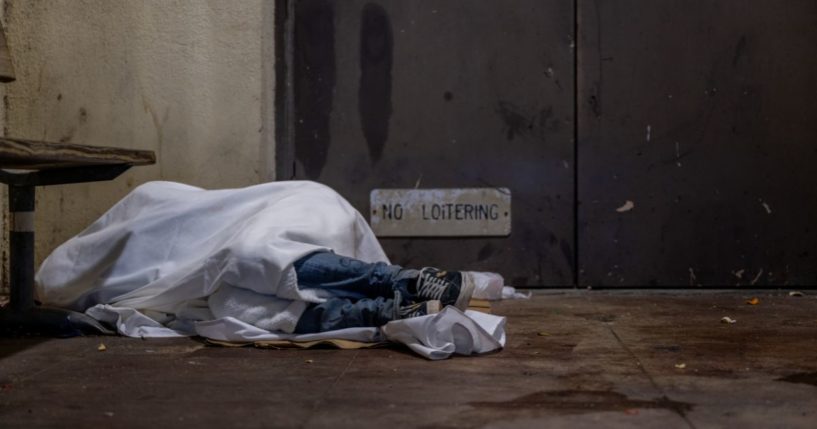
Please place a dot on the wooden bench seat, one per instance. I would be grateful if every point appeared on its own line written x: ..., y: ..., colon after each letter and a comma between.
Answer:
x: 25, y: 164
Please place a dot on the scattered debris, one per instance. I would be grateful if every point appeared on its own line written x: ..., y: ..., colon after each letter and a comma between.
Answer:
x: 649, y: 132
x: 108, y: 413
x: 101, y: 347
x: 766, y: 206
x: 680, y: 365
x: 419, y: 180
x: 678, y: 154
x: 309, y: 361
x: 753, y: 301
x: 795, y: 293
x: 543, y: 334
x: 628, y: 205
x: 757, y: 277
x: 692, y: 277
x: 727, y: 319
x: 739, y: 273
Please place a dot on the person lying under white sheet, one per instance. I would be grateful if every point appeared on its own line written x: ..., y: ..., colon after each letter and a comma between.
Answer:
x: 293, y: 257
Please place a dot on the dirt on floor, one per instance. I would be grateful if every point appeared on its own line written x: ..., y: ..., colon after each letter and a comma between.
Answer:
x: 574, y: 358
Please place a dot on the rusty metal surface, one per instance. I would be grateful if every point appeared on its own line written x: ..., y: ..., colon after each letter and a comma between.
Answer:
x: 454, y: 94
x: 702, y: 114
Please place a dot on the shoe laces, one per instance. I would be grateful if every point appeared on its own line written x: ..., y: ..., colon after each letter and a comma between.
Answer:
x: 406, y: 311
x: 431, y: 286
x: 413, y: 310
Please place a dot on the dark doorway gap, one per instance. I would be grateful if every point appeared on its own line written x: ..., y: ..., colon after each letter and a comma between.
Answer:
x: 576, y: 143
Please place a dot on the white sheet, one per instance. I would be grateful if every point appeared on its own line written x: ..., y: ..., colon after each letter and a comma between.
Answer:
x: 162, y: 262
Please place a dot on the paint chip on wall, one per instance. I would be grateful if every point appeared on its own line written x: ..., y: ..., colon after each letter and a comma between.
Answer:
x: 766, y: 206
x: 757, y: 277
x: 678, y: 154
x: 628, y: 205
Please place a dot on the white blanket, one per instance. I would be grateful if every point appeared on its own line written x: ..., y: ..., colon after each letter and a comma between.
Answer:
x: 172, y: 259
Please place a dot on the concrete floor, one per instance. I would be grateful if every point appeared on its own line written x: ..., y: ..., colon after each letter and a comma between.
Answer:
x: 574, y: 359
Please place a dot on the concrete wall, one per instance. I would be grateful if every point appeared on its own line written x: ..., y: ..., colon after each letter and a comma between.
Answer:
x: 182, y: 78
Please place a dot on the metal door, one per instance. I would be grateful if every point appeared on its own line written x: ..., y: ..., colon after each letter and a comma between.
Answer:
x: 439, y: 94
x: 695, y: 126
x: 702, y: 114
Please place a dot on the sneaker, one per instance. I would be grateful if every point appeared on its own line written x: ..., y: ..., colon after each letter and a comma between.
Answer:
x: 416, y: 310
x: 450, y: 287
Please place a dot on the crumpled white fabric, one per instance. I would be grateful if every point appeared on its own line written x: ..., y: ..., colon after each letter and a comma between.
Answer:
x: 449, y: 331
x: 436, y: 336
x: 167, y: 243
x: 165, y: 259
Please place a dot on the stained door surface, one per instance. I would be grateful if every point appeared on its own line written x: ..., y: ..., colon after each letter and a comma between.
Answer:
x: 695, y: 141
x: 703, y: 114
x: 442, y: 94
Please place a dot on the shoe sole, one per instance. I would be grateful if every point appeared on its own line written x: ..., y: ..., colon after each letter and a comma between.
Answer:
x: 466, y: 290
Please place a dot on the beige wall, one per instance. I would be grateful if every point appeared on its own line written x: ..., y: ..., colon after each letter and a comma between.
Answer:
x: 182, y: 78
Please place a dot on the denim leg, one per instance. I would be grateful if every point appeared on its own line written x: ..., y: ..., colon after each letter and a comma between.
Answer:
x: 340, y: 313
x: 351, y: 278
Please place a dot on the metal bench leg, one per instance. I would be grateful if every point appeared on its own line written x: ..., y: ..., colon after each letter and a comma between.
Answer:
x: 21, y: 243
x: 22, y: 316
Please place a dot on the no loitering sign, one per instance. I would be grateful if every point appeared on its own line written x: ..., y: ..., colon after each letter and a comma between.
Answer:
x: 459, y: 212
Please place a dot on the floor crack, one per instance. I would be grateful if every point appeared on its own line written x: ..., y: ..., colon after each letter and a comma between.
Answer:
x: 664, y: 398
x: 655, y: 385
x: 322, y: 398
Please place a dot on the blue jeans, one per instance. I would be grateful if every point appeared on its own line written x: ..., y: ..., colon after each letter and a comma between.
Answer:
x: 363, y: 293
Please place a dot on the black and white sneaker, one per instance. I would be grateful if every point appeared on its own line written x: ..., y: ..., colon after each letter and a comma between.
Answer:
x: 449, y: 287
x: 416, y: 310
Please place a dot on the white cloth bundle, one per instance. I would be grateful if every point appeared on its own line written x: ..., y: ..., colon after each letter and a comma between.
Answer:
x: 172, y: 259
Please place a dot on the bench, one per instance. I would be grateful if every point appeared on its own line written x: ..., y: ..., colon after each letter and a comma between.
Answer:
x: 25, y: 164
